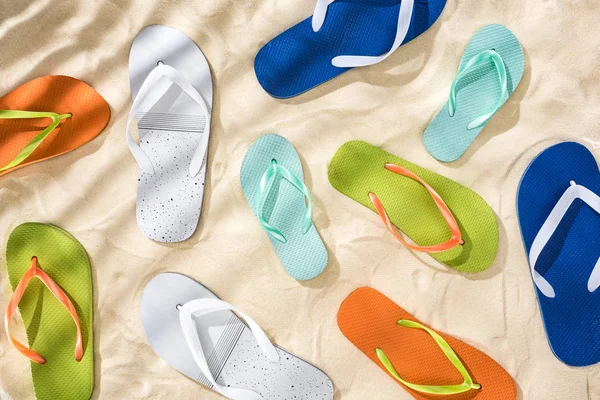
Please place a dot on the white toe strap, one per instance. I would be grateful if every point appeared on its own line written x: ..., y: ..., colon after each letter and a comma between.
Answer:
x: 200, y: 307
x: 350, y: 61
x: 549, y: 227
x: 162, y: 70
x: 319, y: 15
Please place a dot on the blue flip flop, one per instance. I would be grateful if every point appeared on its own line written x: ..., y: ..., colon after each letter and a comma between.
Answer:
x: 342, y: 34
x: 558, y: 206
x: 273, y: 184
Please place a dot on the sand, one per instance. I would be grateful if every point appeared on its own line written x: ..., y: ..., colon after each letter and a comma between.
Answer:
x: 91, y: 191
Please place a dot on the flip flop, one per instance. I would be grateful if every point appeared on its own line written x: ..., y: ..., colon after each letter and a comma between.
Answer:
x: 172, y: 92
x: 200, y: 336
x: 77, y: 114
x: 425, y: 362
x: 341, y: 35
x: 273, y: 184
x: 558, y: 204
x: 56, y: 310
x: 427, y: 207
x: 489, y: 72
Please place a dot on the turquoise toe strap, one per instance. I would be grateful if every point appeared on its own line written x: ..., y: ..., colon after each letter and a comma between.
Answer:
x: 467, y: 384
x: 478, y: 60
x: 38, y: 139
x: 266, y: 183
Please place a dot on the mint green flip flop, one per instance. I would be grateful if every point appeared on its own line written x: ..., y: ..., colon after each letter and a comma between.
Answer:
x: 272, y: 182
x: 490, y: 71
x: 50, y: 274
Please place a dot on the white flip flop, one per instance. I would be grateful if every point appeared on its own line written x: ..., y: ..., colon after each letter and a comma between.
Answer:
x: 199, y: 335
x: 171, y: 87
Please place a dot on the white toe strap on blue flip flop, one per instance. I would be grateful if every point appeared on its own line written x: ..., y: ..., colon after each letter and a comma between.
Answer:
x: 558, y: 205
x: 339, y: 36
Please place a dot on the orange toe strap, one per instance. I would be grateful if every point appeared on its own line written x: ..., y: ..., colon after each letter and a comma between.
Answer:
x: 455, y: 238
x: 36, y: 272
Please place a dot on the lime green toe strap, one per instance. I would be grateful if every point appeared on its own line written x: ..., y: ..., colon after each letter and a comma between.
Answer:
x: 38, y: 139
x: 467, y: 384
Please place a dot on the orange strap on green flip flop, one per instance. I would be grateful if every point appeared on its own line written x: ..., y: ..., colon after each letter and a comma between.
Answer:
x: 434, y: 214
x: 428, y: 364
x: 51, y: 277
x: 36, y: 272
x: 455, y: 236
x: 77, y: 114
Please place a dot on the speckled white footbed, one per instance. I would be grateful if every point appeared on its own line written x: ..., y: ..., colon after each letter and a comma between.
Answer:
x: 169, y: 202
x: 234, y: 356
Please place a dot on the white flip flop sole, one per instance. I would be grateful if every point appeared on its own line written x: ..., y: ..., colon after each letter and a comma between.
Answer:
x: 233, y: 355
x: 170, y: 125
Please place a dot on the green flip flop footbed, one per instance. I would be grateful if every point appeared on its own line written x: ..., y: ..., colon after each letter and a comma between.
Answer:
x: 358, y: 169
x: 304, y: 255
x: 477, y: 93
x: 49, y: 326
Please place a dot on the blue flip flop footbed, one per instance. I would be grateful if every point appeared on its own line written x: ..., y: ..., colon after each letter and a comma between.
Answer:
x: 300, y: 59
x: 569, y: 257
x: 478, y: 92
x: 303, y: 253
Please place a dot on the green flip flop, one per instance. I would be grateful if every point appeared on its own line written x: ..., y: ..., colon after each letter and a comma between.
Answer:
x: 490, y: 71
x: 56, y: 309
x: 427, y: 207
x: 273, y: 185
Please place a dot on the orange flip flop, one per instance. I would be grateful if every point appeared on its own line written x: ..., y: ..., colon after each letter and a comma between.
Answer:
x: 428, y: 364
x: 47, y: 117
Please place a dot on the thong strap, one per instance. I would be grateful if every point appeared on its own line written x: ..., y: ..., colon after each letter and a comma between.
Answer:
x: 266, y: 184
x: 36, y: 272
x: 352, y: 61
x: 455, y: 234
x: 573, y: 192
x: 38, y: 139
x: 474, y: 62
x: 166, y: 71
x: 202, y: 307
x: 467, y: 384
